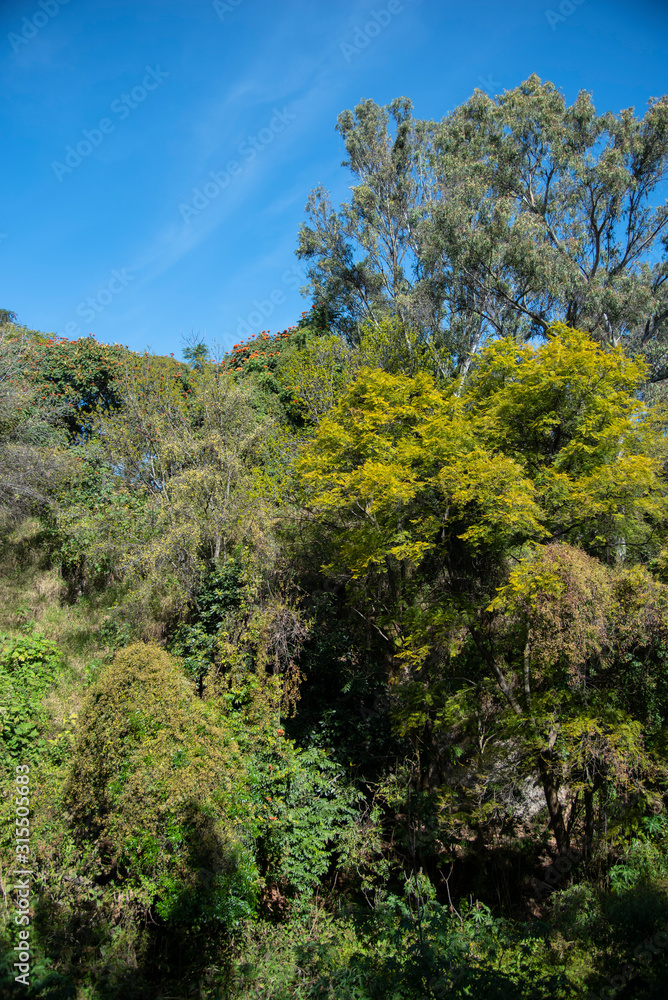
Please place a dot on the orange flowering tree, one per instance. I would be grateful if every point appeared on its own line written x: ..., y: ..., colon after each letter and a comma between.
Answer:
x: 77, y: 375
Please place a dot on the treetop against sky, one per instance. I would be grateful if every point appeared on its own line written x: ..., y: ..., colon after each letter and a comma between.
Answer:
x: 175, y: 143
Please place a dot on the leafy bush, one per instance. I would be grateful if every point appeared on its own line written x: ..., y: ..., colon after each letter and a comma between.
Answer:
x: 644, y: 863
x: 299, y: 803
x: 196, y: 641
x: 29, y: 665
x: 155, y: 791
x: 79, y: 374
x: 305, y: 806
x: 392, y: 953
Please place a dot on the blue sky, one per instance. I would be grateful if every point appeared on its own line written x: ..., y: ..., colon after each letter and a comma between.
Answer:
x: 158, y: 154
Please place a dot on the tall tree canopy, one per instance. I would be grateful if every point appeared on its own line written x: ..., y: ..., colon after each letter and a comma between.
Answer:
x: 509, y: 214
x: 433, y: 495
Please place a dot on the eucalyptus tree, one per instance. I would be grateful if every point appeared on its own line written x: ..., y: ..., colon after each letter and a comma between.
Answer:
x: 365, y: 258
x: 508, y: 215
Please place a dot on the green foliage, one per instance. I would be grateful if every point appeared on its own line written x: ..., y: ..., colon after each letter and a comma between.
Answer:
x: 78, y: 375
x: 31, y: 460
x: 165, y: 487
x: 405, y: 465
x: 196, y: 354
x: 29, y: 667
x: 299, y: 803
x: 508, y: 214
x: 408, y: 562
x: 394, y: 952
x: 428, y: 494
x: 196, y: 642
x: 644, y: 862
x: 316, y: 374
x: 259, y: 353
x: 303, y: 807
x: 83, y: 544
x: 155, y: 784
x: 570, y: 413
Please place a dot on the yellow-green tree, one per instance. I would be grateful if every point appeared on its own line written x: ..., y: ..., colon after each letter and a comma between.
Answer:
x: 432, y: 495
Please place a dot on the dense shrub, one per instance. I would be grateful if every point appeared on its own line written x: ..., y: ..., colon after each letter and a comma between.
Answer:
x: 155, y: 786
x: 28, y: 667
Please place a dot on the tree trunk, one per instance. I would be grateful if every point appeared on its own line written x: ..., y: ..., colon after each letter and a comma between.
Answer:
x: 557, y: 823
x: 544, y: 756
x: 589, y: 822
